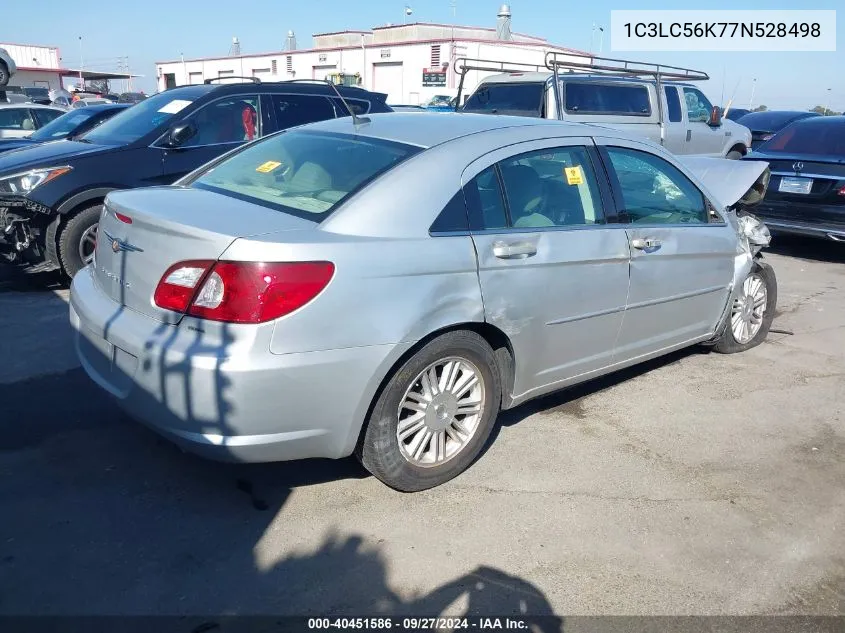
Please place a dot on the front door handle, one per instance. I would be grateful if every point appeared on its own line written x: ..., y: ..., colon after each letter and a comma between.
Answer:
x: 514, y: 250
x: 645, y: 244
x: 689, y: 135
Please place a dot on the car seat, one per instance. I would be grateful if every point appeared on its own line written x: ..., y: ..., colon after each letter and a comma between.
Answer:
x: 27, y: 124
x: 524, y: 191
x: 249, y: 118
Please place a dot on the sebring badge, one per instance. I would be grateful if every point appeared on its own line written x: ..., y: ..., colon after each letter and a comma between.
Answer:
x: 118, y: 245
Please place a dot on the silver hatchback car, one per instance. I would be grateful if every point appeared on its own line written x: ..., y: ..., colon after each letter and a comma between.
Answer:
x: 385, y: 288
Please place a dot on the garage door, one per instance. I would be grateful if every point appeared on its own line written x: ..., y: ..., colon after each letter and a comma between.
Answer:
x: 387, y: 78
x: 320, y: 72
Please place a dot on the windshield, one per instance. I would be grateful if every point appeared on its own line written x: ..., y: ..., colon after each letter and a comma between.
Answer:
x: 64, y: 125
x: 306, y: 174
x: 817, y: 135
x: 508, y: 98
x: 145, y: 117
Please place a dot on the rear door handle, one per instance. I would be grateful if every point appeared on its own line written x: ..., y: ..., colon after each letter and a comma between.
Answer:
x: 689, y: 134
x: 514, y: 250
x: 645, y: 244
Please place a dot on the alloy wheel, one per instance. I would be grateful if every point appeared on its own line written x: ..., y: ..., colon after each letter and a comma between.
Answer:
x: 440, y: 412
x: 748, y: 309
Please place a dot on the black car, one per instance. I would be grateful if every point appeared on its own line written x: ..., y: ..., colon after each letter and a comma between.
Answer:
x: 764, y: 125
x: 734, y: 114
x: 51, y: 194
x: 38, y: 95
x: 68, y: 126
x: 131, y: 97
x: 806, y: 194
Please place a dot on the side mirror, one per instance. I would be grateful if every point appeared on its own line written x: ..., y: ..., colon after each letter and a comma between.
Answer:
x: 715, y: 117
x: 180, y: 133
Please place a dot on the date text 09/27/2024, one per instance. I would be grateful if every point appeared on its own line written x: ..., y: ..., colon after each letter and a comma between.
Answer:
x: 415, y: 624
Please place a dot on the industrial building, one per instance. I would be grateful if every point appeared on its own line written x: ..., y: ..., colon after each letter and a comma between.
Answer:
x: 411, y: 63
x: 41, y: 67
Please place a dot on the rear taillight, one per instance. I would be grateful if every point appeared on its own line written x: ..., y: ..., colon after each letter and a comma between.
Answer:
x: 841, y: 191
x: 241, y: 292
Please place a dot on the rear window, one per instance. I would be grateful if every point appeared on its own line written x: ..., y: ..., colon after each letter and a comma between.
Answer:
x: 509, y: 98
x: 306, y: 174
x: 596, y: 98
x: 824, y: 138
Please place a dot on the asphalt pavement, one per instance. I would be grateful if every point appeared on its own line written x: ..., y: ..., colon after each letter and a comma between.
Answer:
x: 696, y: 484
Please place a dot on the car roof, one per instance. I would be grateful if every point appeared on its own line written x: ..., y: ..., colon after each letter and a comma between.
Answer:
x: 29, y: 104
x: 427, y: 129
x: 535, y: 77
x: 290, y: 87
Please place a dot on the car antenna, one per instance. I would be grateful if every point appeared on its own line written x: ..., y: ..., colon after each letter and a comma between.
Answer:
x: 356, y: 120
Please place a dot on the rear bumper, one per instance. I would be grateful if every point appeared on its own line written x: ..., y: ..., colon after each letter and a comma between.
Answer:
x: 230, y: 404
x: 792, y: 219
x: 777, y: 226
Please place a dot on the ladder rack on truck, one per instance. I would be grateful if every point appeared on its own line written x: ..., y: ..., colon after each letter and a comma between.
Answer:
x: 557, y: 61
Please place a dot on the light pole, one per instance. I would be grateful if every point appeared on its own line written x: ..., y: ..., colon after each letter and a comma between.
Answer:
x: 601, y: 39
x: 753, y: 86
x: 81, y: 64
x: 827, y: 107
x: 184, y: 71
x: 408, y: 11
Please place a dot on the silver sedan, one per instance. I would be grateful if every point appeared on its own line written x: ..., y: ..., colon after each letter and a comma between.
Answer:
x: 386, y: 287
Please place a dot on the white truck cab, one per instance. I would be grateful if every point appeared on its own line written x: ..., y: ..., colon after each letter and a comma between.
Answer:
x: 653, y: 102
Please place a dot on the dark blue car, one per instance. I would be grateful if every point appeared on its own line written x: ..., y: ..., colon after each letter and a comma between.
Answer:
x: 67, y: 126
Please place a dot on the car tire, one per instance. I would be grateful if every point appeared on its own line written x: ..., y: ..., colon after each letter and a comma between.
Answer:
x: 734, y: 154
x: 411, y: 464
x: 733, y: 339
x: 75, y: 239
x: 4, y: 75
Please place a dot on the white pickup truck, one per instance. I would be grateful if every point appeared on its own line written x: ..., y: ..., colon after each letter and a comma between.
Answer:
x: 658, y: 102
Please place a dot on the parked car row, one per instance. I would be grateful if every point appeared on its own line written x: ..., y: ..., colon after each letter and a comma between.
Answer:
x: 478, y: 261
x: 51, y: 195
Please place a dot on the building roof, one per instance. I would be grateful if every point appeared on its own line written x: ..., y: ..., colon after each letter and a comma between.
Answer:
x: 528, y: 40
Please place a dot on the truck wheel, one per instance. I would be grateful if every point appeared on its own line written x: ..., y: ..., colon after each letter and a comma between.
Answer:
x: 4, y: 75
x: 752, y: 312
x: 734, y: 154
x: 78, y: 239
x: 434, y: 415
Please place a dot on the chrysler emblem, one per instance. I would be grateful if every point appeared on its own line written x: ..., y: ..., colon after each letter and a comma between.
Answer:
x: 797, y: 166
x: 118, y: 245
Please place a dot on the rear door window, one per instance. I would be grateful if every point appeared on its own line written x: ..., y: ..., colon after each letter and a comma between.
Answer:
x: 598, y: 98
x: 358, y: 106
x: 292, y: 109
x: 674, y: 104
x: 16, y: 119
x: 521, y: 99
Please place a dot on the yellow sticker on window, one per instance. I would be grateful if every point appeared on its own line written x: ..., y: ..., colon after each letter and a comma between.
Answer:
x: 574, y: 175
x: 267, y: 167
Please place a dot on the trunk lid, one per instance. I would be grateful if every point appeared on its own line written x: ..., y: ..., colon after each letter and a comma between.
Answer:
x: 169, y: 225
x: 828, y: 178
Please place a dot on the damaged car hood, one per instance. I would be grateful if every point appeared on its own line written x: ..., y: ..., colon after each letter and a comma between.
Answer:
x: 730, y: 181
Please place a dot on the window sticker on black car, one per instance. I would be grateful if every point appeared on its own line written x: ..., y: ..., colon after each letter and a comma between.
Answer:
x: 172, y: 107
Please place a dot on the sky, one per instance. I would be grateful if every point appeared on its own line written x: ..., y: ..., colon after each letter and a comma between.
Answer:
x: 159, y: 30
